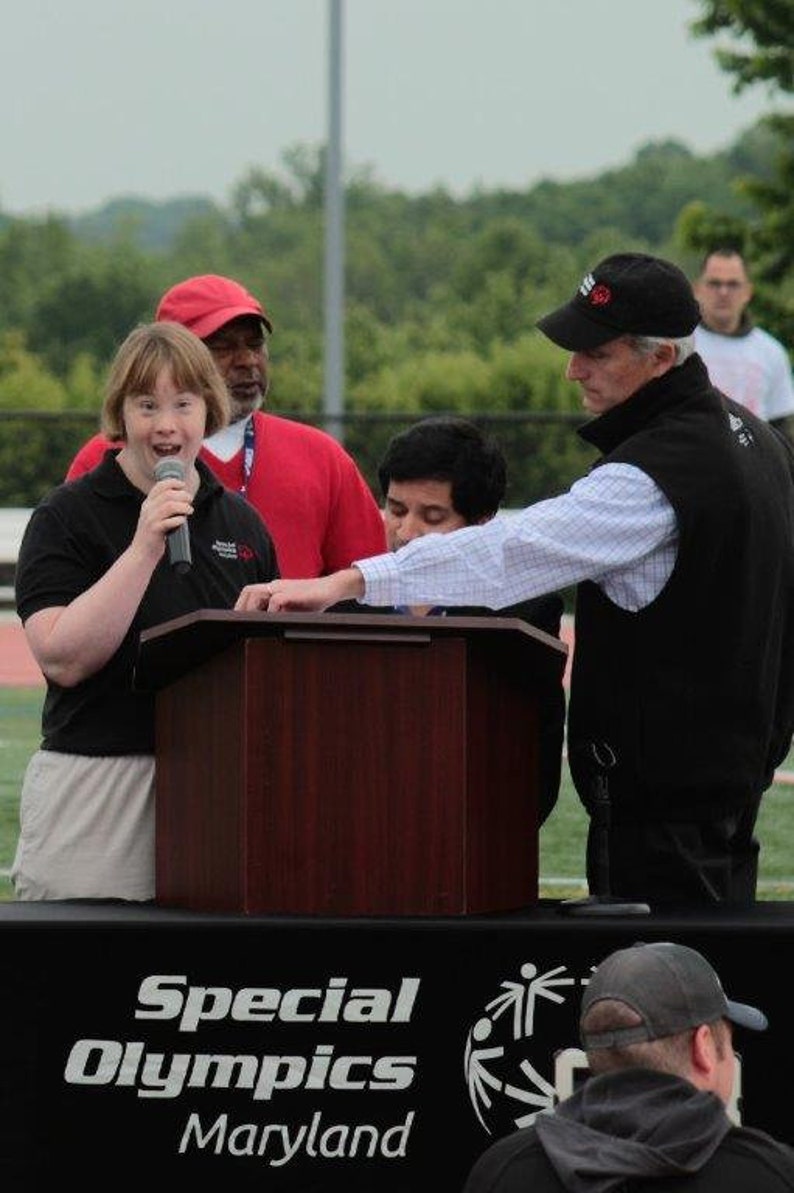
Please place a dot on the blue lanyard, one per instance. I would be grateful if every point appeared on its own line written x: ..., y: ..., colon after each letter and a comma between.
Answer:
x: 248, y: 454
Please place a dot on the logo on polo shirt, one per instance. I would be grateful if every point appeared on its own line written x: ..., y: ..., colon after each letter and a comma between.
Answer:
x: 228, y: 549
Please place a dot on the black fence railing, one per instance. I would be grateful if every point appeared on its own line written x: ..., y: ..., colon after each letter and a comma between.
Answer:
x: 544, y: 453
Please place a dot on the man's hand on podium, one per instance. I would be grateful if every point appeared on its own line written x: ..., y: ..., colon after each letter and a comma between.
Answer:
x: 309, y: 596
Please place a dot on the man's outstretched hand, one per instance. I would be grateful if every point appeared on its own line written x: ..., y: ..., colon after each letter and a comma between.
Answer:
x: 295, y: 596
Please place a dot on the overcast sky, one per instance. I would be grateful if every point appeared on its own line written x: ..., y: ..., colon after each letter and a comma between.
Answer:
x: 161, y: 98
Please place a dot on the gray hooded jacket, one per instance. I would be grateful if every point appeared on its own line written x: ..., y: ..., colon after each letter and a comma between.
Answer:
x: 634, y: 1130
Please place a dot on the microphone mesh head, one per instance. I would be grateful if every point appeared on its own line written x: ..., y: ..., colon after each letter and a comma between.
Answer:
x: 169, y: 470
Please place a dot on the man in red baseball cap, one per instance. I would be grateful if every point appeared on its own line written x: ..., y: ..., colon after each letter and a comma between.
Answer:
x: 316, y: 504
x: 205, y: 303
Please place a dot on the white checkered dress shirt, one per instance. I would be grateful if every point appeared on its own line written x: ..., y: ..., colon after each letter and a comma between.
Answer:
x: 615, y: 527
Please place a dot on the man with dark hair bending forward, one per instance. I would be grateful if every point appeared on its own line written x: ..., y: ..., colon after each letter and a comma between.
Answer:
x: 437, y: 476
x: 681, y: 543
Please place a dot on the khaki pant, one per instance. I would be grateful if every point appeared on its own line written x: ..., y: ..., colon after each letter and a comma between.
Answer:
x: 86, y: 828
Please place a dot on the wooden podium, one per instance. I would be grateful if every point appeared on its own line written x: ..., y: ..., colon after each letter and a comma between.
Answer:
x: 347, y: 764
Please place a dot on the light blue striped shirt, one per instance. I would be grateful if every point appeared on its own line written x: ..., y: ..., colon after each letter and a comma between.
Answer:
x: 614, y: 526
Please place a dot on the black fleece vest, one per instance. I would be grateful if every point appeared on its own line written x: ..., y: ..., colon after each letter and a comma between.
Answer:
x: 692, y: 696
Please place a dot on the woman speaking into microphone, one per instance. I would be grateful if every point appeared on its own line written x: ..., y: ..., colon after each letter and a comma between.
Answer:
x: 146, y: 536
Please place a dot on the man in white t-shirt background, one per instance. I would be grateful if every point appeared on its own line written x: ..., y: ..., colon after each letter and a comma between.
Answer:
x: 744, y: 361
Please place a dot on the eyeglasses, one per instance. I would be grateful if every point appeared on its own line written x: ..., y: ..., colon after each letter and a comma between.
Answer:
x: 718, y: 284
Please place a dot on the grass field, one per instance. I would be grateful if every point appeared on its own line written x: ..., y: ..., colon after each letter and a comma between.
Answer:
x: 562, y: 844
x: 561, y: 839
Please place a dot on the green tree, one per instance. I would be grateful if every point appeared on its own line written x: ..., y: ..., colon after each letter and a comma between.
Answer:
x: 759, y: 51
x: 92, y: 307
x: 84, y: 384
x: 33, y: 252
x: 25, y: 382
x: 31, y: 442
x: 762, y: 48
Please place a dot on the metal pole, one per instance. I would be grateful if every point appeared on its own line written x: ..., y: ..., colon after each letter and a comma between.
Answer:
x: 333, y: 398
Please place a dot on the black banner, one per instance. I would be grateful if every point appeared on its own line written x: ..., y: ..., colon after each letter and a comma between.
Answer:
x: 319, y: 1056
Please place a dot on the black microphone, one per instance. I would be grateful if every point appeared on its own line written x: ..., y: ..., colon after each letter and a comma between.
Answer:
x: 178, y: 539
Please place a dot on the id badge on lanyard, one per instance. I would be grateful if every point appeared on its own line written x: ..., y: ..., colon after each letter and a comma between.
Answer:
x: 248, y: 454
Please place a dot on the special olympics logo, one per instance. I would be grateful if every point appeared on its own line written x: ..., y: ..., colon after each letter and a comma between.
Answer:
x: 505, y: 1088
x: 600, y: 295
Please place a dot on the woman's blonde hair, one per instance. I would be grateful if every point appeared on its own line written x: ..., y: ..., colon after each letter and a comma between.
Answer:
x: 141, y: 358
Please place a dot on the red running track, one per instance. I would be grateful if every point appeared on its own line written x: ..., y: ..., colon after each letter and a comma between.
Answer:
x: 18, y: 668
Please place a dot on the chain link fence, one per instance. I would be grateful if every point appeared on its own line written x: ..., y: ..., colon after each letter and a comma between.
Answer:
x: 544, y: 453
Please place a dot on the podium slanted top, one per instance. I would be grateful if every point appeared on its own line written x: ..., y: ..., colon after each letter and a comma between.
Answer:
x: 169, y: 650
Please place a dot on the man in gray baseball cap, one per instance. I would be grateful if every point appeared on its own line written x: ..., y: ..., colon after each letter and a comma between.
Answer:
x: 657, y: 1029
x: 669, y: 987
